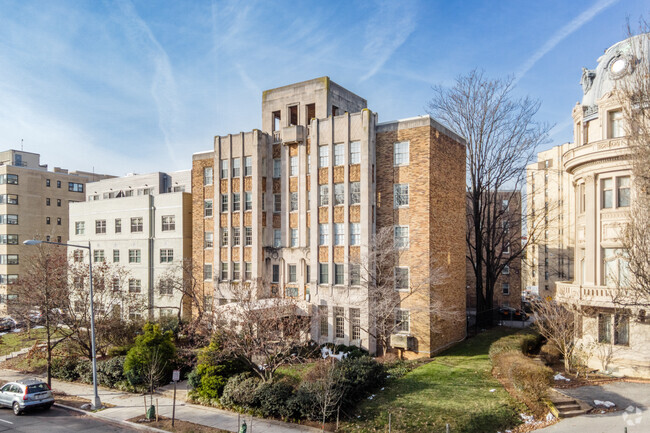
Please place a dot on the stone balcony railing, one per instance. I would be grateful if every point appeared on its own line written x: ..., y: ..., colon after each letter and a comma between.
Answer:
x: 277, y: 136
x: 586, y: 295
x: 594, y: 151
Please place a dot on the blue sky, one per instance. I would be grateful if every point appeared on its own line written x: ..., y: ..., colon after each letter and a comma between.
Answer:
x: 138, y: 86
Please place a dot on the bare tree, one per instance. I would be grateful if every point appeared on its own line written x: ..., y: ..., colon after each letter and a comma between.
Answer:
x: 327, y: 382
x: 43, y: 290
x: 154, y: 370
x: 388, y: 289
x: 557, y: 323
x: 502, y: 136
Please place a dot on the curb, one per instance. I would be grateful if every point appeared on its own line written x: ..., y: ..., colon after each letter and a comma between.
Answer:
x: 111, y: 420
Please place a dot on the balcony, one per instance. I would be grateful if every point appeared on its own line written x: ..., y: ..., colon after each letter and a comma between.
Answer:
x: 277, y: 137
x: 294, y: 134
x: 595, y: 151
x: 596, y: 296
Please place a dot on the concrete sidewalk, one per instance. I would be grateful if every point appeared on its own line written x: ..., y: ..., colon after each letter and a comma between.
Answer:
x: 129, y: 405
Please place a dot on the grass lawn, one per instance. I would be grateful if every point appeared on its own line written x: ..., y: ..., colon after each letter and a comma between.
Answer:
x: 453, y: 388
x: 294, y: 373
x: 14, y: 341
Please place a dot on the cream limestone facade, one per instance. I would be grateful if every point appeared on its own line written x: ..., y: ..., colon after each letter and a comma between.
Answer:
x: 291, y: 205
x: 616, y: 338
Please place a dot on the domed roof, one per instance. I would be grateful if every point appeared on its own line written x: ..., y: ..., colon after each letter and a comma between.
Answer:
x: 619, y: 61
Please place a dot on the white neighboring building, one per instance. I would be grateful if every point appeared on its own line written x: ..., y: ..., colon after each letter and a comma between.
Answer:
x: 142, y: 222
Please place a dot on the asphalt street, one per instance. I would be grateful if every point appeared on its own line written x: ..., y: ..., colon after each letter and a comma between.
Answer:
x: 54, y: 420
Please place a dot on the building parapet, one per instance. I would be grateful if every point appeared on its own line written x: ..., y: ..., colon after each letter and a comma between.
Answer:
x: 416, y: 122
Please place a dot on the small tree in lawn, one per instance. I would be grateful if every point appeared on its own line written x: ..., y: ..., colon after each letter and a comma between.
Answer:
x: 149, y: 361
x: 327, y: 383
x: 557, y: 323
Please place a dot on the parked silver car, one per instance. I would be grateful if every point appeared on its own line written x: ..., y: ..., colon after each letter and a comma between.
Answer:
x: 26, y: 394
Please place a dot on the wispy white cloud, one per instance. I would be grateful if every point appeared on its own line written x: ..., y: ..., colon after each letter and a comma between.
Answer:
x: 387, y: 30
x: 561, y: 34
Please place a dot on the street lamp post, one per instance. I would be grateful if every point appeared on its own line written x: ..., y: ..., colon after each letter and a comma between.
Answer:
x: 96, y: 402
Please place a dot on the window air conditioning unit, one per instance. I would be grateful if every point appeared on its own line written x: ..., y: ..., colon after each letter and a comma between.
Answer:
x: 401, y: 341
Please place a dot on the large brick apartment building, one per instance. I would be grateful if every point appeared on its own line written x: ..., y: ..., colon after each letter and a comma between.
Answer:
x: 293, y: 206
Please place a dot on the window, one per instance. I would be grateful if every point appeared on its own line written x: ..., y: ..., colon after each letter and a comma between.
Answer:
x: 169, y: 223
x: 248, y: 200
x: 207, y: 208
x: 236, y: 202
x: 9, y: 259
x: 248, y: 166
x: 100, y: 227
x: 58, y: 184
x: 58, y: 221
x: 506, y: 270
x: 355, y: 193
x: 135, y: 256
x: 294, y: 238
x: 355, y: 152
x: 236, y: 236
x: 207, y: 271
x: 277, y: 202
x: 9, y: 239
x: 9, y: 219
x: 293, y: 274
x: 355, y: 324
x: 47, y: 202
x: 402, y: 321
x: 208, y: 301
x: 98, y: 256
x: 58, y: 202
x: 166, y: 255
x: 224, y: 202
x: 323, y: 156
x: 235, y: 166
x: 608, y: 193
x: 402, y: 278
x: 47, y: 182
x: 263, y: 201
x: 505, y: 288
x: 339, y: 322
x: 136, y: 225
x: 323, y: 195
x: 401, y: 237
x: 73, y: 186
x: 323, y: 234
x: 78, y: 256
x: 339, y: 194
x: 293, y: 166
x: 506, y: 248
x: 275, y: 277
x: 339, y: 234
x: 118, y: 225
x: 207, y: 176
x: 135, y: 286
x: 115, y: 284
x: 339, y: 274
x: 208, y: 240
x: 401, y: 153
x: 224, y: 169
x: 339, y: 155
x: 291, y: 291
x: 621, y: 330
x: 323, y: 273
x: 615, y: 267
x: 277, y: 168
x: 616, y: 124
x: 224, y: 237
x: 47, y: 220
x: 248, y: 236
x: 224, y: 271
x: 293, y: 206
x: 248, y: 271
x: 307, y: 276
x: 623, y: 191
x: 235, y: 271
x: 79, y: 228
x: 604, y: 328
x: 355, y: 274
x: 324, y: 320
x: 277, y: 238
x: 401, y: 194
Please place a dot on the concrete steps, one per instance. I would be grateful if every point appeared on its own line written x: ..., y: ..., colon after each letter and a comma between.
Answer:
x: 567, y: 406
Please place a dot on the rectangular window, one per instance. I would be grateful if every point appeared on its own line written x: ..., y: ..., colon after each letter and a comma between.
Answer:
x: 235, y: 271
x: 224, y: 237
x: 98, y: 256
x: 224, y: 271
x: 207, y: 271
x: 402, y: 278
x: 235, y: 167
x: 58, y: 202
x: 604, y: 328
x: 135, y: 256
x: 248, y: 236
x: 608, y: 193
x: 323, y: 156
x: 355, y: 324
x: 323, y: 195
x: 168, y: 223
x: 293, y: 202
x: 323, y: 234
x: 324, y: 320
x: 339, y: 194
x: 79, y: 228
x: 277, y: 202
x: 166, y: 255
x: 401, y: 194
x: 323, y: 273
x: 78, y: 256
x: 263, y: 201
x: 505, y: 288
x: 118, y: 225
x: 506, y: 270
x: 277, y: 238
x: 339, y: 154
x: 402, y: 321
x: 621, y: 330
x: 277, y: 168
x: 293, y: 274
x: 207, y: 208
x: 355, y: 152
x: 339, y: 234
x: 236, y: 203
x: 100, y: 227
x: 339, y: 322
x: 208, y: 301
x: 208, y: 240
x: 207, y: 176
x: 355, y: 193
x: 294, y: 238
x: 275, y: 278
x: 401, y: 153
x: 136, y: 225
x: 224, y: 169
x: 11, y: 239
x: 248, y: 200
x: 355, y: 274
x: 47, y: 182
x: 401, y: 237
x: 616, y: 124
x: 135, y: 286
x: 116, y: 256
x: 166, y: 287
x: 224, y: 202
x: 248, y: 271
x: 58, y: 184
x: 75, y: 187
x: 248, y: 166
x: 236, y: 236
x: 307, y: 276
x: 115, y: 284
x: 623, y: 191
x: 9, y: 219
x: 58, y: 221
x: 339, y: 274
x: 293, y: 166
